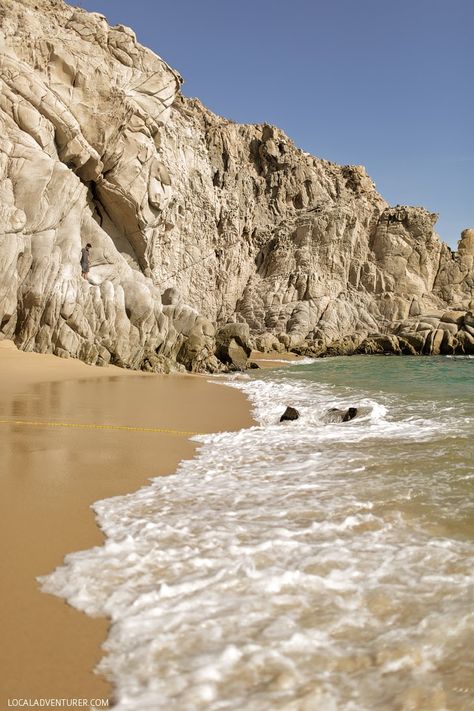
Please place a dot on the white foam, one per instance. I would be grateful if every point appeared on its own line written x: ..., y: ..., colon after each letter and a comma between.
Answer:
x: 295, y: 361
x: 280, y: 569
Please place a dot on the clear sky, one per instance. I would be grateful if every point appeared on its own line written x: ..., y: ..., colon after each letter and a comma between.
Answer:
x: 384, y: 83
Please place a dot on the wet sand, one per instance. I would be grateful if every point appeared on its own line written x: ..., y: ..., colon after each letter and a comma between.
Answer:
x: 49, y: 477
x: 273, y: 359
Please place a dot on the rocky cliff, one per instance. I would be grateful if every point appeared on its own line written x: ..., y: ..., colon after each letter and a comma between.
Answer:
x: 194, y: 221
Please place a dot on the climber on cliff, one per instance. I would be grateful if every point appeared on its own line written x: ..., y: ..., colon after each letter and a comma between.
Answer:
x: 85, y: 260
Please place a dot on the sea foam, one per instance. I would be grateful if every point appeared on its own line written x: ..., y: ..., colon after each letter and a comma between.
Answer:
x: 288, y: 566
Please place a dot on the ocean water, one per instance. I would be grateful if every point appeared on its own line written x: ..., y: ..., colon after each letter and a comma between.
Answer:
x: 310, y: 565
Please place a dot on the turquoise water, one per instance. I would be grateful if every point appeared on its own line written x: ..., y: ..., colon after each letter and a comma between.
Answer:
x: 313, y: 565
x: 436, y: 378
x: 433, y: 399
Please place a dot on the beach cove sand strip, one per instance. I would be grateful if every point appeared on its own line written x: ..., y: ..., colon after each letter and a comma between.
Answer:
x: 72, y: 434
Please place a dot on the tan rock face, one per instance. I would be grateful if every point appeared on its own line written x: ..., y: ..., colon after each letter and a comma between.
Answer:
x: 230, y: 222
x: 81, y: 110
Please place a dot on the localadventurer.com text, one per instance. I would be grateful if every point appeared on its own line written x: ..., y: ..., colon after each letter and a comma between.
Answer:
x: 59, y: 703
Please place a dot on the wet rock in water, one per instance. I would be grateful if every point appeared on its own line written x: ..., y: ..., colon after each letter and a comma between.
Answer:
x: 350, y: 413
x: 291, y: 413
x: 337, y: 415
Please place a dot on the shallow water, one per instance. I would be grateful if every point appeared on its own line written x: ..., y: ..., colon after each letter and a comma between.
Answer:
x: 306, y: 565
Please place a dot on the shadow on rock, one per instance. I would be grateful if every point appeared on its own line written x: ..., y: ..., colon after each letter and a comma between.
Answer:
x: 337, y: 415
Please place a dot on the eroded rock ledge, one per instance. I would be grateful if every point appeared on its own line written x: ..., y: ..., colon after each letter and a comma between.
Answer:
x: 434, y: 333
x: 195, y: 221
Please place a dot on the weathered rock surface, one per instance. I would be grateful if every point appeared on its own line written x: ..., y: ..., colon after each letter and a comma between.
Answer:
x: 195, y: 221
x: 442, y: 332
x: 233, y: 345
x: 82, y: 108
x: 433, y: 333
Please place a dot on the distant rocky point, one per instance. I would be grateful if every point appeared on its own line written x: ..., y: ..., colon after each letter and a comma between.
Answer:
x: 195, y: 222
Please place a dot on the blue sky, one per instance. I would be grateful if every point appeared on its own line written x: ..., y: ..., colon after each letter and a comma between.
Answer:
x: 384, y: 83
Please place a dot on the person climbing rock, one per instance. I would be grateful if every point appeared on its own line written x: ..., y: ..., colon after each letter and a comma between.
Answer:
x: 85, y: 260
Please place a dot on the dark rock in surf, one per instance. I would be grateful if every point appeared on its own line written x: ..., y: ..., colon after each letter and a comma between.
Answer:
x: 337, y: 415
x: 291, y: 413
x: 350, y: 413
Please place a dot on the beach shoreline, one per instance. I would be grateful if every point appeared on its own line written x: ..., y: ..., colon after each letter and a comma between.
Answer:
x: 72, y: 434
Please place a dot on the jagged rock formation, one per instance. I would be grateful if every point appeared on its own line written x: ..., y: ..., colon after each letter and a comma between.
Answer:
x: 433, y: 333
x: 195, y: 221
x: 81, y: 109
x: 233, y: 345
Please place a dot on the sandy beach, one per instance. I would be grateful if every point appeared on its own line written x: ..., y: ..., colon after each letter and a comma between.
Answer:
x: 273, y: 360
x: 57, y: 459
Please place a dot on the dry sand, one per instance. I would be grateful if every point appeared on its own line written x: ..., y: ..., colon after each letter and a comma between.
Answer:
x: 51, y: 475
